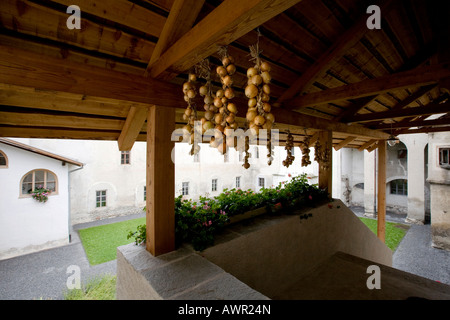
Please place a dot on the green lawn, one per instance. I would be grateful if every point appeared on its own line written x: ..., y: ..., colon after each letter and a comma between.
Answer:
x: 100, y: 288
x: 394, y: 231
x: 100, y: 242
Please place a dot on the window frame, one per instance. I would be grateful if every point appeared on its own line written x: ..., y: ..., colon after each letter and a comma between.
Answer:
x: 185, y: 188
x: 4, y: 166
x: 125, y: 157
x: 259, y: 182
x: 33, y: 182
x: 214, y: 184
x: 442, y: 164
x: 237, y: 182
x: 394, y: 186
x: 99, y: 204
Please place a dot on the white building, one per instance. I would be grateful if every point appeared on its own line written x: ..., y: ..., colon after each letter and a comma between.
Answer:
x: 27, y: 225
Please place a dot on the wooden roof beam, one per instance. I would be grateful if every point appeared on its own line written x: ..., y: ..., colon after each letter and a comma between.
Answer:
x: 417, y: 77
x: 431, y: 108
x: 347, y: 40
x: 181, y: 18
x: 367, y: 144
x: 418, y: 123
x: 132, y: 127
x: 343, y: 143
x: 228, y: 22
x: 22, y: 68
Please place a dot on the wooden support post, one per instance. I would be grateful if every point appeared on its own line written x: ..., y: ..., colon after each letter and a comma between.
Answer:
x: 160, y: 217
x: 325, y: 171
x: 381, y: 207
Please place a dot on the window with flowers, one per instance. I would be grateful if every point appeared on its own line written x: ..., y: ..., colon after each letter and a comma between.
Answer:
x: 39, y: 184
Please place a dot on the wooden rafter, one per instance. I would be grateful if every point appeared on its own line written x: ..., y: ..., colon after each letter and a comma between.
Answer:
x: 429, y: 109
x: 416, y: 77
x: 181, y: 19
x: 343, y: 143
x: 418, y: 123
x: 229, y: 21
x: 131, y: 128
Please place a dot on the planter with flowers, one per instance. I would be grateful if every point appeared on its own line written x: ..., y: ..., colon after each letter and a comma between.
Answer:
x: 197, y: 222
x: 40, y: 194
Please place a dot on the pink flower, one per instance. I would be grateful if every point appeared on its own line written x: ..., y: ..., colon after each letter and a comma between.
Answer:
x: 210, y: 222
x: 289, y: 175
x: 310, y: 197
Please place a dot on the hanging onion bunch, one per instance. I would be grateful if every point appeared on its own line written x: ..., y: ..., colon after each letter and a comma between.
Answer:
x: 204, y: 71
x: 322, y: 156
x: 257, y: 91
x: 246, y: 164
x: 190, y: 114
x: 289, y: 145
x: 225, y: 117
x: 304, y: 147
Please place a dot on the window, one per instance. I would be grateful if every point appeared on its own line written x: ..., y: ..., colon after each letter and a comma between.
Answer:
x: 145, y: 193
x: 3, y: 160
x: 238, y: 182
x: 399, y: 186
x: 214, y: 185
x: 100, y: 199
x: 444, y: 155
x: 185, y: 188
x: 38, y: 179
x: 226, y: 157
x: 197, y: 157
x: 261, y: 182
x: 125, y: 157
x: 256, y: 153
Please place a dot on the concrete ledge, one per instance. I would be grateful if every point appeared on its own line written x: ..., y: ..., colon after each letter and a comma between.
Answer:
x: 181, y: 274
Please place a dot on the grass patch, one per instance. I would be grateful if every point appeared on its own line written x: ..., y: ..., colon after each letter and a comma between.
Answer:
x: 100, y: 288
x: 394, y: 231
x: 100, y: 242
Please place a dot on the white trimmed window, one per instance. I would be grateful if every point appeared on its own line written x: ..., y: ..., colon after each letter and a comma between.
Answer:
x: 100, y: 198
x: 238, y: 182
x: 125, y: 157
x: 261, y: 182
x: 444, y: 158
x: 214, y: 185
x: 185, y: 188
x: 40, y: 178
x: 3, y: 160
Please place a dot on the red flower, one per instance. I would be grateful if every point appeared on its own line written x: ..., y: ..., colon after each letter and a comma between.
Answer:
x: 330, y: 206
x: 310, y: 197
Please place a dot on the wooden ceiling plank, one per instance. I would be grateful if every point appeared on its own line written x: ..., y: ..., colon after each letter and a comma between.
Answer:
x: 132, y: 127
x: 228, y: 22
x: 122, y: 12
x: 36, y: 20
x: 420, y: 76
x: 348, y: 39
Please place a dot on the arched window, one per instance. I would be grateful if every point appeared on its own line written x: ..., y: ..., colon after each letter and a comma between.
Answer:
x: 399, y: 186
x: 39, y: 178
x: 3, y: 160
